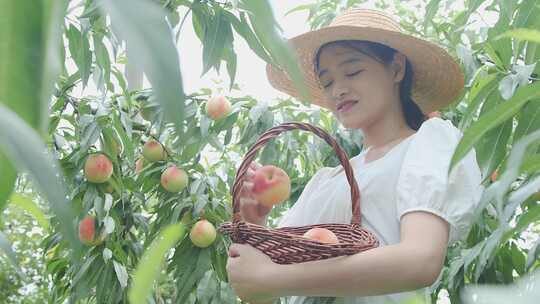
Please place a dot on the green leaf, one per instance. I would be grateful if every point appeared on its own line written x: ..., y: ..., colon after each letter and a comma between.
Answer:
x: 126, y: 140
x: 26, y: 204
x: 29, y: 64
x: 230, y: 56
x: 102, y: 57
x: 529, y: 119
x: 149, y: 266
x: 243, y: 28
x: 531, y: 216
x: 491, y: 148
x: 510, y: 172
x: 521, y: 34
x: 143, y: 25
x: 531, y: 164
x: 262, y: 19
x: 217, y: 33
x: 121, y: 274
x: 7, y: 180
x: 27, y: 151
x: 79, y: 47
x: 82, y: 269
x: 22, y: 51
x: 431, y: 10
x: 207, y: 287
x: 194, y: 272
x: 524, y: 291
x: 299, y: 8
x: 533, y: 254
x: 493, y: 118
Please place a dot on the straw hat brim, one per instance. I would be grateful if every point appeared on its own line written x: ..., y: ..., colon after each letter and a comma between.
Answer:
x: 437, y: 78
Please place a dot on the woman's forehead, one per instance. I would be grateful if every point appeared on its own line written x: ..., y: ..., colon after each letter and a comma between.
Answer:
x: 340, y: 57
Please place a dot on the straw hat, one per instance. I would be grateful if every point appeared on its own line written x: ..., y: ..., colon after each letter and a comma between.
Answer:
x: 437, y: 77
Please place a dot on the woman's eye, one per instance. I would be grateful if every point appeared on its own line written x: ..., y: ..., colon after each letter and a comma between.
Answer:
x: 355, y: 73
x: 328, y: 84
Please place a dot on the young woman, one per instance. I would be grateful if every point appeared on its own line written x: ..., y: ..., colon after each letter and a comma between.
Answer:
x: 382, y: 82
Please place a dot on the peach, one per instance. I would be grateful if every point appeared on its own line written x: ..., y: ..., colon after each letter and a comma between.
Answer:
x: 203, y: 234
x: 174, y: 179
x: 87, y: 232
x: 153, y: 151
x: 109, y: 189
x: 322, y: 235
x: 117, y: 147
x: 271, y: 185
x: 494, y: 176
x: 139, y: 165
x: 98, y: 168
x: 218, y: 107
x: 187, y: 218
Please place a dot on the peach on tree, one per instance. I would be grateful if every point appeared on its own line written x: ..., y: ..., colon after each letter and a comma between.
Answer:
x: 203, y: 234
x: 98, y: 168
x: 174, y: 179
x: 153, y: 151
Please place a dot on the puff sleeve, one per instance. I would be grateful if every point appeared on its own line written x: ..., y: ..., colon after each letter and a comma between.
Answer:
x: 292, y: 215
x: 423, y: 184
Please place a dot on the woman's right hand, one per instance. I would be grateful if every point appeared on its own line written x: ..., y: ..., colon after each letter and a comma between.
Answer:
x: 250, y: 209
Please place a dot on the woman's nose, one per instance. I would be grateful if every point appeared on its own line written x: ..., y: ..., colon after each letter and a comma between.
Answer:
x: 339, y: 91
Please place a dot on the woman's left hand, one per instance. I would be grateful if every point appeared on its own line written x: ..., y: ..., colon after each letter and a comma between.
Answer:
x: 250, y: 274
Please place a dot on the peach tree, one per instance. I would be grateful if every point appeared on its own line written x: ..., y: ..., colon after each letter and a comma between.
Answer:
x: 130, y: 174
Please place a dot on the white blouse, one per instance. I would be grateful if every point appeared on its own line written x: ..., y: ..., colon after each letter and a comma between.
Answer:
x: 411, y: 176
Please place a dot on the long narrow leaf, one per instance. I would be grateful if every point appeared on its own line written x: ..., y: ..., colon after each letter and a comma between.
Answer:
x: 493, y: 118
x: 522, y: 34
x: 29, y: 64
x: 27, y: 151
x: 150, y: 264
x: 7, y: 180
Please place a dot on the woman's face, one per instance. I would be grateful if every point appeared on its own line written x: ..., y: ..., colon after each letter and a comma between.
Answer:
x: 369, y: 89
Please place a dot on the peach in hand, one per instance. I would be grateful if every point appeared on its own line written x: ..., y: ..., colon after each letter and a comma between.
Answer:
x: 271, y: 185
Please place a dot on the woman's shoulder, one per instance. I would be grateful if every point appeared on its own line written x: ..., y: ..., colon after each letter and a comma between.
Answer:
x: 438, y: 126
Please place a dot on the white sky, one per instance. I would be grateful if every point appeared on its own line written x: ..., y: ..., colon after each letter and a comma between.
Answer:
x: 250, y: 73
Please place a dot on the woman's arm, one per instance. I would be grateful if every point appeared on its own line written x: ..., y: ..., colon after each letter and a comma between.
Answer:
x: 412, y: 264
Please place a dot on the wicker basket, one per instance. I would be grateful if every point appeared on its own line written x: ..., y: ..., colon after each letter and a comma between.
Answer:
x: 286, y: 245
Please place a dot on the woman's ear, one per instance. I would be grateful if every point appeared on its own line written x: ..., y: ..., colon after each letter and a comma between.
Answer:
x: 398, y: 66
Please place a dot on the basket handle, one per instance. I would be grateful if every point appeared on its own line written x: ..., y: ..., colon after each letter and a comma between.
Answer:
x: 273, y: 132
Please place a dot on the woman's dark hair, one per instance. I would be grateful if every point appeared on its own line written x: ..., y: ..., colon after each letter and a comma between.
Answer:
x: 385, y: 54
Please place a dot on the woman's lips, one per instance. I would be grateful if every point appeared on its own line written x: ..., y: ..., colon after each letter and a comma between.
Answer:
x: 347, y: 106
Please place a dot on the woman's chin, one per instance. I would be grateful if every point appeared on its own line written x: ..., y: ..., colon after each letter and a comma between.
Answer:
x: 350, y: 122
